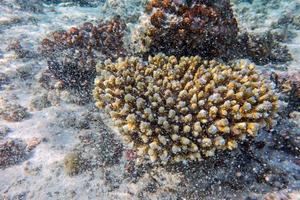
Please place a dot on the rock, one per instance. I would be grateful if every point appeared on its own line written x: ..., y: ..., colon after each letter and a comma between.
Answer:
x: 45, y: 79
x: 12, y: 151
x: 39, y: 101
x: 12, y: 112
x: 30, y: 169
x: 101, y: 149
x: 295, y: 117
x: 3, y: 79
x: 73, y: 163
x: 21, y: 52
x: 32, y: 143
x: 280, y: 195
x: 9, y: 21
x: 4, y: 130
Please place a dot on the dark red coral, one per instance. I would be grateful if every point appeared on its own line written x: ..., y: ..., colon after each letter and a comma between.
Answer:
x: 182, y: 27
x: 72, y: 54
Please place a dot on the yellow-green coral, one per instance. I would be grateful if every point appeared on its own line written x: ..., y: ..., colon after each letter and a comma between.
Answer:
x: 175, y: 110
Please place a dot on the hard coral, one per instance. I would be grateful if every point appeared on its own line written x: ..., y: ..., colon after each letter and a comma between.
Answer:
x: 176, y: 110
x: 184, y: 28
x: 71, y: 54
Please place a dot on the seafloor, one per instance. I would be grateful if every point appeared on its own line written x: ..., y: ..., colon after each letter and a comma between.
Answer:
x: 50, y: 129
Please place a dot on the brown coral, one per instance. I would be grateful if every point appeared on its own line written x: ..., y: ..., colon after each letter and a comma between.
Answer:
x: 184, y: 28
x: 184, y: 109
x: 71, y: 54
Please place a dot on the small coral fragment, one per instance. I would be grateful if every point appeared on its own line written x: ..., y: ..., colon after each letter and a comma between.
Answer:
x: 229, y: 102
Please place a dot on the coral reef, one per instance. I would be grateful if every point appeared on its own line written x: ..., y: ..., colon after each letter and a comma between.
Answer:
x: 174, y: 110
x: 262, y: 49
x: 13, y: 112
x: 184, y: 28
x: 71, y: 54
x: 11, y: 152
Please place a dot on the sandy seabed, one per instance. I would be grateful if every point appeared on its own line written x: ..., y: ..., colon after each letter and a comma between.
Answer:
x: 48, y: 130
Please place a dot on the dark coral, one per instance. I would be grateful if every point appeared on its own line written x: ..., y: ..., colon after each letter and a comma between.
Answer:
x: 262, y: 49
x: 182, y: 28
x: 72, y: 54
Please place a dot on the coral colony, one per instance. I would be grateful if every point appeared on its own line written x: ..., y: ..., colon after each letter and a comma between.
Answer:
x: 184, y: 109
x: 180, y: 28
x: 72, y: 54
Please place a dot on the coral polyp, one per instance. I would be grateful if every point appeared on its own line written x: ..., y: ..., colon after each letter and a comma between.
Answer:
x: 173, y: 109
x: 184, y: 28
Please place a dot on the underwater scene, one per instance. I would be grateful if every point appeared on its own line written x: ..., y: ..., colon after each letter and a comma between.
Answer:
x: 150, y: 99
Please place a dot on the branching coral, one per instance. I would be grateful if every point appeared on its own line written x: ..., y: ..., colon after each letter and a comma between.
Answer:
x: 174, y: 110
x: 71, y: 55
x: 184, y: 28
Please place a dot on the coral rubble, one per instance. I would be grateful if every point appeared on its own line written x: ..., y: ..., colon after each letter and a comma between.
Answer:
x: 71, y: 54
x: 182, y: 109
x: 184, y: 28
